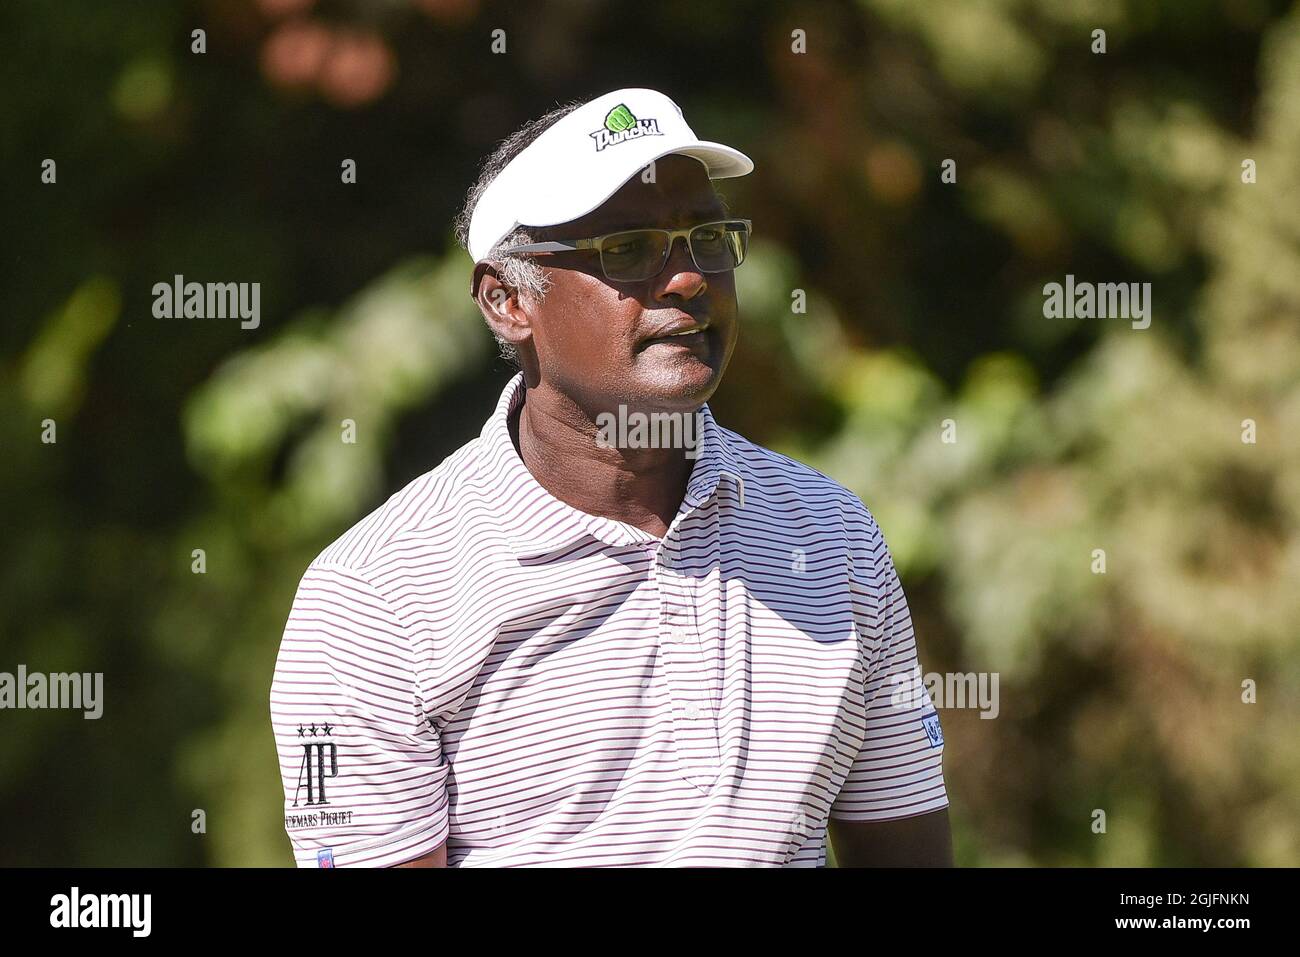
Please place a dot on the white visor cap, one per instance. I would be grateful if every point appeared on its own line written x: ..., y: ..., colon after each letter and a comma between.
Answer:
x: 584, y: 158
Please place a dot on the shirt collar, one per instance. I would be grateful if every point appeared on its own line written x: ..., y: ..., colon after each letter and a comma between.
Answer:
x: 543, y: 524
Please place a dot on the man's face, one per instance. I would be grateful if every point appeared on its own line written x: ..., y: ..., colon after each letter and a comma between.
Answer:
x: 602, y: 342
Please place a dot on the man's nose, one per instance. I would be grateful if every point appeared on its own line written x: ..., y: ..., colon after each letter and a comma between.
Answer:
x: 681, y: 276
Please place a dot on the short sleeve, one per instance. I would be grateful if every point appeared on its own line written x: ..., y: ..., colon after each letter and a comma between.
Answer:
x: 362, y: 766
x: 898, y: 770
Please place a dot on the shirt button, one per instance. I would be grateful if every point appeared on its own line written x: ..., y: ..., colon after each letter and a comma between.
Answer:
x: 679, y: 635
x: 692, y: 712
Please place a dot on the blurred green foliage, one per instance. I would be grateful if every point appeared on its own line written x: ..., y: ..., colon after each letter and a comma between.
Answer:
x: 1120, y: 691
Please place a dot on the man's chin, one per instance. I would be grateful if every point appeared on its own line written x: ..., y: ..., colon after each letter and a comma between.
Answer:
x: 672, y: 381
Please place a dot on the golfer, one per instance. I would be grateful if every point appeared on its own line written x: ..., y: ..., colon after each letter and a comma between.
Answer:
x: 608, y: 631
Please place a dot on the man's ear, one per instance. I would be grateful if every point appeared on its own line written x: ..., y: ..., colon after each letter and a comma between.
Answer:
x: 480, y: 270
x: 501, y: 306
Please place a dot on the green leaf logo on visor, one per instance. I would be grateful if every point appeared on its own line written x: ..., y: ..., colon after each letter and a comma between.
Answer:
x: 619, y: 119
x: 621, y: 125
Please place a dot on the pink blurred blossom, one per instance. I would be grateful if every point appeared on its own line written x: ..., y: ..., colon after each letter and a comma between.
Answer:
x: 358, y: 69
x: 295, y: 53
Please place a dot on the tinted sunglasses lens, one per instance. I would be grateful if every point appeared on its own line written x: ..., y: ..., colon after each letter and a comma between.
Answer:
x: 635, y: 255
x: 718, y: 247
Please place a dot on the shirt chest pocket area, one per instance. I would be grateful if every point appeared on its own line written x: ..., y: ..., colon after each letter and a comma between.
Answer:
x: 807, y: 662
x: 822, y: 628
x: 810, y: 606
x: 815, y: 620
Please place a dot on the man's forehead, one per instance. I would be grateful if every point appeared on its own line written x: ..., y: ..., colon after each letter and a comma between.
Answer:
x: 636, y: 204
x: 664, y: 214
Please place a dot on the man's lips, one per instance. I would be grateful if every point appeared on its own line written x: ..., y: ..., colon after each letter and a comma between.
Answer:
x: 681, y: 333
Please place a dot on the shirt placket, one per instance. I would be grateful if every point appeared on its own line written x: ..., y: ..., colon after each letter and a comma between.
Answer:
x: 688, y: 668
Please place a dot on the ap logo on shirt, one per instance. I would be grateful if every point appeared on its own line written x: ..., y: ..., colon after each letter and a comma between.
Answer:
x: 932, y: 730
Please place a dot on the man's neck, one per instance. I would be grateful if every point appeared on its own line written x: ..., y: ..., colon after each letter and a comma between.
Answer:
x: 557, y: 442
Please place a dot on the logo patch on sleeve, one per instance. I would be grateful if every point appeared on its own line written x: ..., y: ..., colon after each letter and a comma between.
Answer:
x: 932, y: 729
x: 325, y: 857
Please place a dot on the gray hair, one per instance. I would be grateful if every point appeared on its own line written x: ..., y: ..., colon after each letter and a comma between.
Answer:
x: 520, y: 273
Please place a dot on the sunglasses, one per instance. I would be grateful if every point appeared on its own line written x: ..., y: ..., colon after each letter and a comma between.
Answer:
x: 638, y: 254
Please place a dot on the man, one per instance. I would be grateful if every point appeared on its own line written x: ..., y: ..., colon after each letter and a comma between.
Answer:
x: 570, y: 644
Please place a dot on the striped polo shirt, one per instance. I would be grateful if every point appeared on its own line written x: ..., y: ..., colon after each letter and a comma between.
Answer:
x: 477, y: 662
